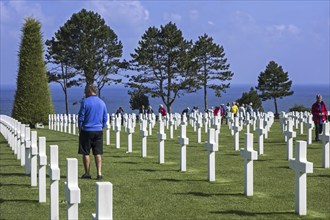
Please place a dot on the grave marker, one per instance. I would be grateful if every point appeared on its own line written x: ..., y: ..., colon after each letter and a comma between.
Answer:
x: 72, y: 191
x: 301, y: 167
x: 325, y: 137
x: 34, y: 158
x: 249, y: 156
x: 42, y: 169
x: 161, y: 137
x: 183, y: 141
x: 212, y: 147
x: 144, y: 134
x: 27, y: 150
x: 290, y: 134
x: 54, y: 175
x: 104, y: 201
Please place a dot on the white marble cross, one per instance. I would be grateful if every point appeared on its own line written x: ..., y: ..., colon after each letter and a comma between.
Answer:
x: 301, y: 167
x: 144, y: 134
x: 118, y: 129
x: 22, y: 145
x: 42, y: 169
x: 65, y: 123
x: 290, y: 134
x: 130, y: 131
x: 310, y: 126
x: 261, y: 131
x: 212, y: 147
x: 61, y: 122
x: 69, y: 123
x: 108, y: 130
x: 249, y: 156
x: 237, y: 128
x: 54, y: 175
x: 104, y: 201
x: 199, y: 125
x: 27, y: 150
x: 50, y: 121
x: 34, y: 159
x: 183, y: 141
x: 72, y: 190
x: 171, y: 124
x: 161, y: 137
x: 325, y: 137
x: 301, y: 122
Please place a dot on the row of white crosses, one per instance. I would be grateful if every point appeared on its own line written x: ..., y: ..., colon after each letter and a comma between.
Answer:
x: 32, y: 153
x: 287, y: 121
x: 300, y: 165
x: 63, y: 123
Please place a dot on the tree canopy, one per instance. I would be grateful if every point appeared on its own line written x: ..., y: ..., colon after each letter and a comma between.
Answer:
x: 212, y: 67
x: 88, y: 46
x: 163, y: 61
x: 274, y: 83
x: 251, y: 97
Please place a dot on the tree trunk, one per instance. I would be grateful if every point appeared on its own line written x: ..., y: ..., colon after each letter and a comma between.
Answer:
x: 276, y: 111
x: 66, y: 101
x: 169, y: 108
x: 205, y: 98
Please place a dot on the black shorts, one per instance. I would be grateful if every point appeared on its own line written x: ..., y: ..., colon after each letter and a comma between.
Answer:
x: 90, y: 139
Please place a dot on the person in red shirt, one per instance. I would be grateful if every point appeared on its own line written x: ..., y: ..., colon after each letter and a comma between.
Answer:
x: 319, y: 111
x: 162, y: 110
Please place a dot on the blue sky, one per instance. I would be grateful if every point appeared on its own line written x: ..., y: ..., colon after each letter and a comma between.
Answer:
x: 295, y: 34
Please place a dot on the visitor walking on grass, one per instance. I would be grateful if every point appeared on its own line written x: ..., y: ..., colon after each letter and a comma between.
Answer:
x: 92, y: 118
x: 319, y: 111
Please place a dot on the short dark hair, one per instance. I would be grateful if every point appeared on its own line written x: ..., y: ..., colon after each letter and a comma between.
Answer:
x: 90, y: 88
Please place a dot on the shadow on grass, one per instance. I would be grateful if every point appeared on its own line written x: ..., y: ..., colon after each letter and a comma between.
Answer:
x: 202, y: 194
x: 281, y: 167
x: 149, y: 170
x: 13, y: 174
x: 323, y: 176
x: 18, y: 200
x: 55, y: 141
x: 10, y: 165
x: 14, y: 184
x: 127, y: 162
x: 244, y: 213
x: 7, y: 153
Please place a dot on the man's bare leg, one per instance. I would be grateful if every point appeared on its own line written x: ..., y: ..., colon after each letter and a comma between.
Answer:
x: 87, y: 164
x: 98, y: 161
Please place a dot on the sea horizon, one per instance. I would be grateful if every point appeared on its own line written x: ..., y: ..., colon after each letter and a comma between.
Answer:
x: 116, y: 95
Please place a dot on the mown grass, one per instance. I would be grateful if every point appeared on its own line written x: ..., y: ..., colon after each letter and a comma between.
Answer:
x: 145, y: 189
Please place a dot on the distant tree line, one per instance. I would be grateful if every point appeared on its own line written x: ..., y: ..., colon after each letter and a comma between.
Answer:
x: 164, y: 64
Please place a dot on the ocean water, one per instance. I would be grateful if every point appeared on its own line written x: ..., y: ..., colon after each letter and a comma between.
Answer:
x: 115, y: 96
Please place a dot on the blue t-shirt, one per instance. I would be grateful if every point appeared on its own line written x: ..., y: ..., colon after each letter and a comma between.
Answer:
x: 93, y: 114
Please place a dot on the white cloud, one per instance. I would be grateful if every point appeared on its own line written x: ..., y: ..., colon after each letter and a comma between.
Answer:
x: 172, y: 17
x: 129, y: 12
x: 283, y: 29
x: 13, y: 14
x: 20, y: 9
x: 211, y: 23
x: 194, y: 14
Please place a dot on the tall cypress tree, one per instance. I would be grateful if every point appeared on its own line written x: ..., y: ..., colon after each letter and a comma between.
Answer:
x: 32, y: 99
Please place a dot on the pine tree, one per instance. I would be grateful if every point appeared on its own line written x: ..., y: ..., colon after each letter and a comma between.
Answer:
x: 251, y: 97
x: 213, y: 69
x: 164, y: 64
x: 32, y: 102
x: 274, y: 83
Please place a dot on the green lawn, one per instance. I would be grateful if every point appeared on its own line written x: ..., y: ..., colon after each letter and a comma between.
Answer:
x: 144, y: 189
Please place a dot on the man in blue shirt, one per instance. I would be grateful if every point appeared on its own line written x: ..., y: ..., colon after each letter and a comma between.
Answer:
x: 92, y: 118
